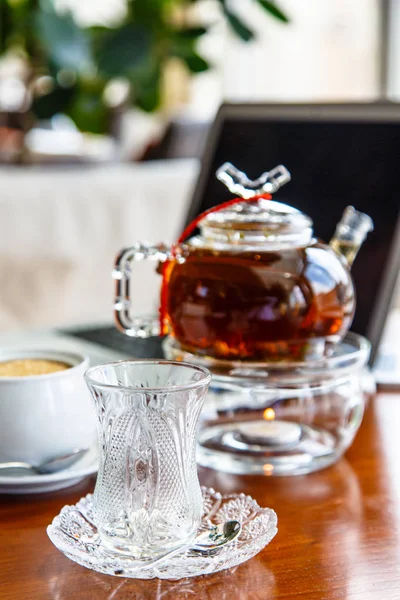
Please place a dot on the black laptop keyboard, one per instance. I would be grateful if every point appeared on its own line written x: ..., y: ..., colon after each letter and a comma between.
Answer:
x: 112, y: 338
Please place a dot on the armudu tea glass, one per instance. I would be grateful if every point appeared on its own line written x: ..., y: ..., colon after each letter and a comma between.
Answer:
x: 147, y: 498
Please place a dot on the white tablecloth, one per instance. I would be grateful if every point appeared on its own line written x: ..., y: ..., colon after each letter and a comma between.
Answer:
x: 60, y: 229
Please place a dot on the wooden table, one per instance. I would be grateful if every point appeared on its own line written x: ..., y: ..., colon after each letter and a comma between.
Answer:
x: 339, y: 534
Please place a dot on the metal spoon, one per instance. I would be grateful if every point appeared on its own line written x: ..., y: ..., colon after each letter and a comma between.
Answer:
x: 212, y: 540
x: 207, y: 543
x: 58, y: 463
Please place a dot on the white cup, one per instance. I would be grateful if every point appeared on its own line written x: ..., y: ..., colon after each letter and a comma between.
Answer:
x: 45, y: 416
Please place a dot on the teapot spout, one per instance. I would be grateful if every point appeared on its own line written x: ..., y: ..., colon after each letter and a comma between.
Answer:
x: 350, y: 233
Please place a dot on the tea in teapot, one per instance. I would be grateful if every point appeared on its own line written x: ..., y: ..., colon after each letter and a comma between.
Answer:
x: 254, y: 284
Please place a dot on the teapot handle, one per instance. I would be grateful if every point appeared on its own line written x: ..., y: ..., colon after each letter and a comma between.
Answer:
x: 141, y: 327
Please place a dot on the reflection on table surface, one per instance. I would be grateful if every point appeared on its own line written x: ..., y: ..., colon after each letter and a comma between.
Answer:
x: 338, y: 534
x: 223, y: 585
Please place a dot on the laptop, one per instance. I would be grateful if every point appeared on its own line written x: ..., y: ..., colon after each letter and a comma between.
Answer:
x: 338, y: 155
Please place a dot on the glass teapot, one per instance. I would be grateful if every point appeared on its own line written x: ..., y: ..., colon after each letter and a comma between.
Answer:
x: 254, y: 284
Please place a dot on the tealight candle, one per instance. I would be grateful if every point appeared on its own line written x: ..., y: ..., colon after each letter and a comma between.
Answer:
x: 270, y: 433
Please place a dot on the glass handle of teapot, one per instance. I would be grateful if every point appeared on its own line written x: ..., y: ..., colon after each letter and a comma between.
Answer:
x: 141, y: 327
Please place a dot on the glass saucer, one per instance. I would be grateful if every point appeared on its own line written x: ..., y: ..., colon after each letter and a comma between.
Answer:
x: 342, y: 358
x: 74, y: 533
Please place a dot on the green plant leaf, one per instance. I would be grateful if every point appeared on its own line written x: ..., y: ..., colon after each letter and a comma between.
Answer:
x: 89, y: 112
x: 191, y: 33
x: 238, y: 26
x: 145, y: 80
x: 146, y: 86
x: 274, y: 10
x: 184, y: 48
x: 195, y: 63
x: 57, y: 101
x: 123, y: 49
x: 66, y: 45
x: 5, y: 24
x: 149, y: 97
x: 150, y: 13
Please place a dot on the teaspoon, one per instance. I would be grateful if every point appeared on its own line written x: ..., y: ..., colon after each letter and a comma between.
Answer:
x: 53, y: 465
x: 206, y: 543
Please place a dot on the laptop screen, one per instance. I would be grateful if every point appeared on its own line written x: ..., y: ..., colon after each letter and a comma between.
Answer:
x: 333, y: 164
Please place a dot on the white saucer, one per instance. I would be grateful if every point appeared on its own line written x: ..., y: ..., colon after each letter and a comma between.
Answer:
x: 37, y: 484
x: 75, y: 535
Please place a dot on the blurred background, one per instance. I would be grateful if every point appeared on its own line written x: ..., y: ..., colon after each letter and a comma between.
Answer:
x: 104, y: 111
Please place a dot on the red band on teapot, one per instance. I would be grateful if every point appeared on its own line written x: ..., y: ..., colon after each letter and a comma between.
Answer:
x: 186, y: 232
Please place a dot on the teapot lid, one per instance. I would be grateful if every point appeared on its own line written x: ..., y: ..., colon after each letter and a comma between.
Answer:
x: 257, y: 219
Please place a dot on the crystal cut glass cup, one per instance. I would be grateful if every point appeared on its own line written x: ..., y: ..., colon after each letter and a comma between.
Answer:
x: 147, y: 498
